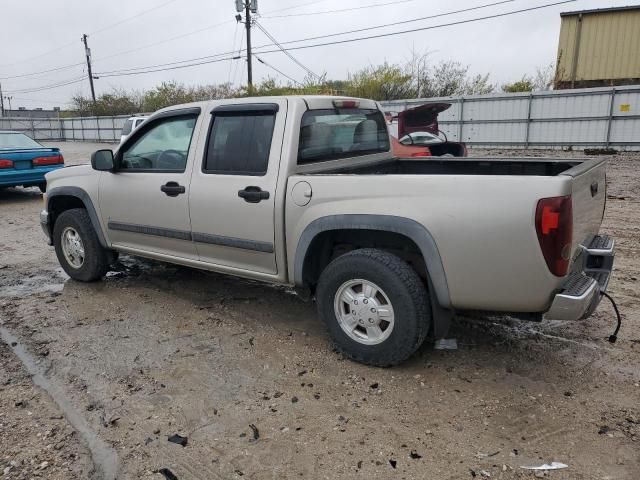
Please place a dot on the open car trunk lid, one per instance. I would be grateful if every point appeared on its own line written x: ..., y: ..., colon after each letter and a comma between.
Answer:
x: 421, y: 119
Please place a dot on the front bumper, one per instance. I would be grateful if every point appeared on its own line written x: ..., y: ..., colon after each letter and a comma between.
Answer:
x: 44, y: 223
x: 582, y: 292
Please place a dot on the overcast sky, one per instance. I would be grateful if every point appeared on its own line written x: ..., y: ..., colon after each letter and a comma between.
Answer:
x: 40, y: 35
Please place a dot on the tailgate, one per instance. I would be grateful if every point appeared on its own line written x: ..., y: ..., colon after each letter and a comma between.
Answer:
x: 588, y: 193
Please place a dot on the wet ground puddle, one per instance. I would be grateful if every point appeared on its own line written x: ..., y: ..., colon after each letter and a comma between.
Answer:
x: 104, y: 457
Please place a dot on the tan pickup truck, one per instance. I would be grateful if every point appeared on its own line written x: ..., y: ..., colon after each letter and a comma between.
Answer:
x: 303, y: 191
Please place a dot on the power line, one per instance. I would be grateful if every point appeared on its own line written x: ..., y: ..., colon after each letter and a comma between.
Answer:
x: 235, y: 37
x: 281, y: 43
x: 52, y: 86
x: 62, y: 47
x: 65, y: 67
x: 197, y: 59
x: 412, y: 20
x: 396, y: 2
x: 295, y: 60
x: 47, y: 100
x: 170, y: 39
x: 120, y: 22
x: 177, y: 67
x: 296, y: 6
x: 274, y: 68
x: 237, y: 57
x: 432, y: 27
x: 174, y: 65
x: 194, y: 32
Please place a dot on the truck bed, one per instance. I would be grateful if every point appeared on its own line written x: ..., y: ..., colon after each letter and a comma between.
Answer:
x: 546, y: 167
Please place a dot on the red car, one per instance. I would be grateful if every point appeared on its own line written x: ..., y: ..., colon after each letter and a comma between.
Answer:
x: 415, y: 133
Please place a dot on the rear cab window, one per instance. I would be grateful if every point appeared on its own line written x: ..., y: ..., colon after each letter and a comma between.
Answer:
x: 331, y: 134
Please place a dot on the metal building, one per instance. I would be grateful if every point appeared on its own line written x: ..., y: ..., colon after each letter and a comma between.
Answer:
x: 599, y: 48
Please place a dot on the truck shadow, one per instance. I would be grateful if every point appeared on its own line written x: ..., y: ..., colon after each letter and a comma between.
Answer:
x: 16, y: 195
x: 502, y: 340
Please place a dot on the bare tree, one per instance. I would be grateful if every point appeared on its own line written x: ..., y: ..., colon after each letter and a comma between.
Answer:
x: 544, y: 77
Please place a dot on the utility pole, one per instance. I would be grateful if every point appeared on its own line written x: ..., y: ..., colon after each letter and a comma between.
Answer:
x: 2, y: 102
x: 247, y: 23
x: 87, y: 52
x: 250, y: 6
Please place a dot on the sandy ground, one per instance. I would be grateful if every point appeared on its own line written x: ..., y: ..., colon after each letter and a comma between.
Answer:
x: 156, y: 350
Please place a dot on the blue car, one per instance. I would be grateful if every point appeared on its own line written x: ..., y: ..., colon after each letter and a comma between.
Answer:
x: 23, y: 161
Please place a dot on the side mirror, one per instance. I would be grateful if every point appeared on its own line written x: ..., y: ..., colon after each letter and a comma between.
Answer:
x: 102, y: 160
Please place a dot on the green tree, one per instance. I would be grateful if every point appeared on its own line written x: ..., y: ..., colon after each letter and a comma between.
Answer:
x: 443, y: 79
x: 525, y: 84
x: 116, y: 102
x: 382, y: 82
x: 542, y: 80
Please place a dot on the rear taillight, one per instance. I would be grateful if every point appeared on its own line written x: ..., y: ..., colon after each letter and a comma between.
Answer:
x: 554, y: 225
x: 53, y: 160
x: 6, y: 163
x: 426, y: 153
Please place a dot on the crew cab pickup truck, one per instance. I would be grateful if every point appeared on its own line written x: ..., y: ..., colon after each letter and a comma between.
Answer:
x: 304, y: 191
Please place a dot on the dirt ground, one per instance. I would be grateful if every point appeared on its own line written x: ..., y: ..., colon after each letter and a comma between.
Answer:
x: 248, y: 375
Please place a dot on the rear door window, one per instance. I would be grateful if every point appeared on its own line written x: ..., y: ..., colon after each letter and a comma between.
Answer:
x: 333, y: 134
x: 239, y: 143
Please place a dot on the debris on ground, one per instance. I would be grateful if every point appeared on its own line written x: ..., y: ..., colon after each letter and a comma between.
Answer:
x: 179, y: 439
x: 600, y: 151
x: 168, y: 474
x: 415, y: 455
x: 548, y: 466
x: 486, y: 455
x: 446, y: 344
x: 256, y: 432
x: 604, y: 429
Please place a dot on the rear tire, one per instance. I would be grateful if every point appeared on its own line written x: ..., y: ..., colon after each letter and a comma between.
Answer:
x: 77, y: 246
x: 397, y: 315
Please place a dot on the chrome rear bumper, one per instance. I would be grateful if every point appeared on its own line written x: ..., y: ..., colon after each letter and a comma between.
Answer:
x: 582, y: 292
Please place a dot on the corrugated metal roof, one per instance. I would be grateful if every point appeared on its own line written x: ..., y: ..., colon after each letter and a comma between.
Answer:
x: 602, y: 47
x: 600, y: 10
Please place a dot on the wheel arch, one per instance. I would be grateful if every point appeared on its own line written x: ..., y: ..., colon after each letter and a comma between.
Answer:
x: 399, y: 226
x: 60, y: 199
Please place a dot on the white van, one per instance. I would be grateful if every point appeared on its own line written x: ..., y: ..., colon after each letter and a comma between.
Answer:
x: 130, y: 125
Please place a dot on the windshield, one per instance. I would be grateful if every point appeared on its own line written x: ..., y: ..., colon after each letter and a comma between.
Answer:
x: 128, y: 126
x: 332, y: 134
x: 420, y: 138
x: 17, y: 140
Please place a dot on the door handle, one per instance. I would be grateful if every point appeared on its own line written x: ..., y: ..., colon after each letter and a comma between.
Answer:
x: 253, y: 194
x: 172, y: 189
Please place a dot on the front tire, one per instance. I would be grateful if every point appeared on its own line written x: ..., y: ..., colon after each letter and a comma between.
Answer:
x: 375, y: 307
x: 77, y: 247
x: 43, y: 187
